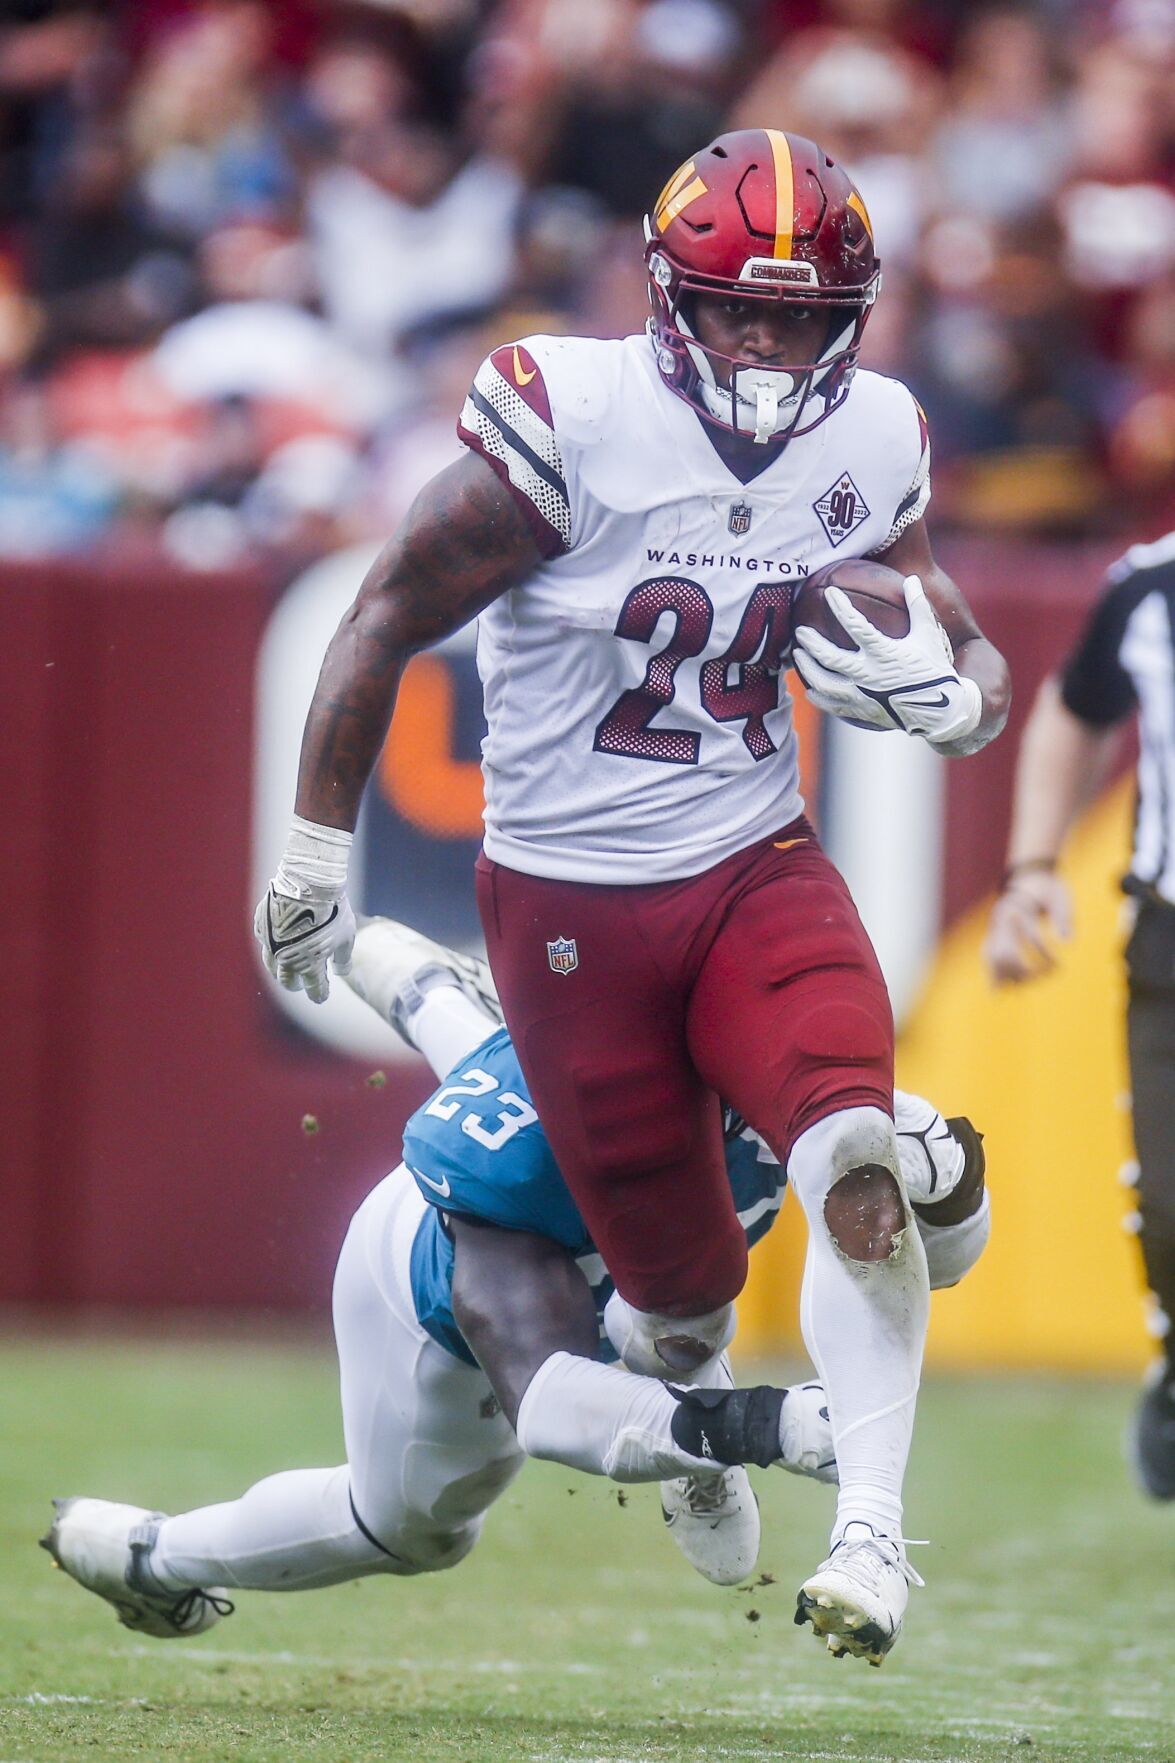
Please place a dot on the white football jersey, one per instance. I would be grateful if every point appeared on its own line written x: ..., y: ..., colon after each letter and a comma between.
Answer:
x: 640, y: 726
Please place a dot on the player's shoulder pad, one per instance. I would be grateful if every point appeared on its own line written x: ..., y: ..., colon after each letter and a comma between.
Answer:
x: 899, y: 443
x: 580, y: 378
x: 890, y: 408
x: 534, y: 405
x: 508, y: 419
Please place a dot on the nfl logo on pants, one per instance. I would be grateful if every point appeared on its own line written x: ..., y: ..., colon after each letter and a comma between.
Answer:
x: 563, y: 955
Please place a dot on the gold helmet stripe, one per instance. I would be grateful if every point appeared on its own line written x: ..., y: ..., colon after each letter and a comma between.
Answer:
x: 681, y: 176
x: 678, y: 194
x: 785, y: 191
x: 859, y: 207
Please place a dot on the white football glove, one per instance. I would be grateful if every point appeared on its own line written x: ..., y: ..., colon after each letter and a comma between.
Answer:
x: 304, y: 917
x: 908, y: 682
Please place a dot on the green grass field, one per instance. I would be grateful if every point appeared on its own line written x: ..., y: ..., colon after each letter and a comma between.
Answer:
x: 1046, y: 1631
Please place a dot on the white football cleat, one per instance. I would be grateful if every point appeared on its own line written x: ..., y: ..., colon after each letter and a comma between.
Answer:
x: 105, y: 1546
x: 393, y: 966
x: 805, y: 1433
x: 714, y: 1520
x: 856, y: 1599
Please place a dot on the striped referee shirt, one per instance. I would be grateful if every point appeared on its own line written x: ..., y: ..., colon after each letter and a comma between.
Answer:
x: 1125, y: 661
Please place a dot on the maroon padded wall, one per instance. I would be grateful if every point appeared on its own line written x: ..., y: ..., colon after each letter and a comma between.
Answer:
x: 153, y: 1151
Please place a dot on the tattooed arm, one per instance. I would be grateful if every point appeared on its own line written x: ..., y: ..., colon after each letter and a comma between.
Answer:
x: 463, y: 544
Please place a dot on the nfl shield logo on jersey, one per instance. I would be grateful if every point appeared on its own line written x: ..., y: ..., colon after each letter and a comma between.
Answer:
x: 739, y: 518
x: 563, y: 955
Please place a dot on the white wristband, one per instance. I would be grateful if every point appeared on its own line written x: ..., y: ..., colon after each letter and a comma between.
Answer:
x: 315, y: 859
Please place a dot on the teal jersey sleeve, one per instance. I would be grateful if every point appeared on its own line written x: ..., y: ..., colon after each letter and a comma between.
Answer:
x: 476, y: 1148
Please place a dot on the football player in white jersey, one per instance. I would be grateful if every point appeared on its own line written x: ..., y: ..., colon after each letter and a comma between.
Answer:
x: 473, y: 1243
x: 663, y: 927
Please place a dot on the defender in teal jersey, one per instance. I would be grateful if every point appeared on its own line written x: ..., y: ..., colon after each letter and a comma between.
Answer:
x: 475, y: 1324
x: 476, y: 1148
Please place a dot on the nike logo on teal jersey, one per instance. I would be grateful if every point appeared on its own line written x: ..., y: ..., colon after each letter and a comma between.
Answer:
x: 438, y: 1187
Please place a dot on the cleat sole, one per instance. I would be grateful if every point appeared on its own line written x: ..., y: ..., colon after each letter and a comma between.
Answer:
x: 844, y: 1629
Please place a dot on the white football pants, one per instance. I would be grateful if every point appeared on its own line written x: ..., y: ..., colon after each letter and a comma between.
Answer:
x: 428, y: 1450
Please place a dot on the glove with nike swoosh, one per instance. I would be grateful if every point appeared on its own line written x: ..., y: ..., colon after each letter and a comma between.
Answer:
x: 908, y: 682
x: 304, y: 917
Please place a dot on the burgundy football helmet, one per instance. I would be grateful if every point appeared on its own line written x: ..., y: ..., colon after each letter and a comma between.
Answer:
x: 760, y: 215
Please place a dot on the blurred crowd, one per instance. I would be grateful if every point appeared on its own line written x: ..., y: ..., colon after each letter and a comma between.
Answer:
x: 251, y: 251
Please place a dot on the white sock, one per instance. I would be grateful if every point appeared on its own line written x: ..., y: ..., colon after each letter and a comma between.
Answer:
x: 604, y: 1420
x: 291, y: 1532
x: 864, y: 1323
x: 447, y: 1027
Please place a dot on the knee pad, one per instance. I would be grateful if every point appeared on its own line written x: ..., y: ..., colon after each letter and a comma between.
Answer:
x: 852, y: 1139
x: 848, y: 1139
x: 434, y: 1551
x: 666, y: 1346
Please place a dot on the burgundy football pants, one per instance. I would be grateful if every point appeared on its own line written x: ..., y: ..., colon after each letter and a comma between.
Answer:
x: 754, y: 982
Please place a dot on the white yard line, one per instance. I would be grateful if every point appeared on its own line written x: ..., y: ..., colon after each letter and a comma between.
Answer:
x: 37, y: 1699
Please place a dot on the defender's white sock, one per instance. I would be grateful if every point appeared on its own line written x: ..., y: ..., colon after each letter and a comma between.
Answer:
x: 447, y: 1027
x: 604, y: 1420
x: 608, y: 1421
x: 291, y: 1532
x: 864, y: 1322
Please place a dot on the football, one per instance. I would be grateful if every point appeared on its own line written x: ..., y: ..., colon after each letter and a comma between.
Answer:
x: 874, y: 590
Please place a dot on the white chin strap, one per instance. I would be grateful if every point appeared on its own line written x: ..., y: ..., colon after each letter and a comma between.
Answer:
x: 770, y: 407
x: 766, y: 400
x: 766, y: 397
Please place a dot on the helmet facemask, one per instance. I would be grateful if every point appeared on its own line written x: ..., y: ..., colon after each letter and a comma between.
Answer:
x: 760, y: 402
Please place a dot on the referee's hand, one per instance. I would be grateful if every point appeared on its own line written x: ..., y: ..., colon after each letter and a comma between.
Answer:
x: 1030, y: 917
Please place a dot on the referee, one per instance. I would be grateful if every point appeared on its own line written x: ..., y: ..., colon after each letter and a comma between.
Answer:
x: 1124, y: 662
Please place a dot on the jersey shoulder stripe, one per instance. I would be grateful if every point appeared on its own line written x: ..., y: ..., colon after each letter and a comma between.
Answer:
x: 507, y: 419
x: 914, y: 503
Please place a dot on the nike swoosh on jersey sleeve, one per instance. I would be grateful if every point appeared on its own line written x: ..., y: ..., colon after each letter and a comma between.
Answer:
x: 507, y: 419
